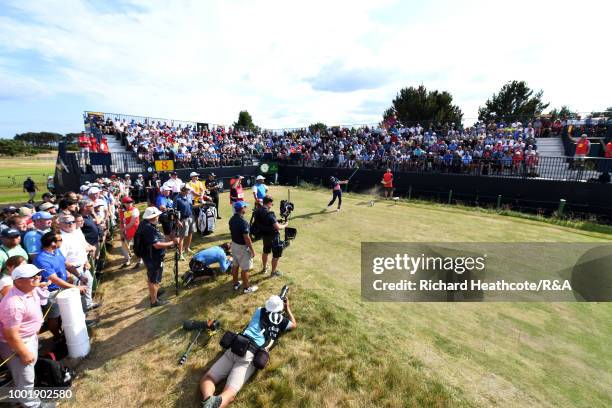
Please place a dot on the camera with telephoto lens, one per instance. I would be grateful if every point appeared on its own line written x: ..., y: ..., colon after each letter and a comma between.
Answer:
x: 286, y: 208
x: 172, y: 214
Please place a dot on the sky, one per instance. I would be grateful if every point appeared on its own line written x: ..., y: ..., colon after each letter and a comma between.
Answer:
x: 289, y: 63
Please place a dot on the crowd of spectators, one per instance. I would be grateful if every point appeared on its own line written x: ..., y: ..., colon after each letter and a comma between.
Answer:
x: 54, y: 245
x: 502, y: 147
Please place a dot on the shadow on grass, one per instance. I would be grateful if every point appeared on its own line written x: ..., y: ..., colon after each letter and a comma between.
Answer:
x: 154, y: 324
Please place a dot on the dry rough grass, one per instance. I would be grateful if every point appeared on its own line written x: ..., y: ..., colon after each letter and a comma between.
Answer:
x: 351, y: 353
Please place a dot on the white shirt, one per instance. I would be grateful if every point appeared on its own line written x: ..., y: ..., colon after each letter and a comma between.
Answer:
x: 174, y: 184
x: 5, y: 280
x: 74, y: 248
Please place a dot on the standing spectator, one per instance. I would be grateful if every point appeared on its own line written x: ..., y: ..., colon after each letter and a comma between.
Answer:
x: 153, y: 189
x: 50, y: 185
x: 259, y: 190
x: 20, y: 321
x: 31, y: 240
x: 84, y: 146
x: 583, y: 146
x: 139, y: 189
x: 608, y: 154
x: 187, y: 224
x: 75, y: 248
x: 30, y: 187
x: 129, y: 219
x: 56, y: 271
x: 212, y: 185
x: 242, y: 248
x: 387, y: 182
x: 154, y: 253
x: 11, y: 238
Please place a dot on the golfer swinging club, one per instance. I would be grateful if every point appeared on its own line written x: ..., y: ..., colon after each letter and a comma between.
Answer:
x: 337, y: 191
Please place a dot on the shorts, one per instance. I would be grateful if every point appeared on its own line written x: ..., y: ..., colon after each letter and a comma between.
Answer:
x: 189, y: 227
x: 154, y: 271
x: 241, y: 256
x: 54, y: 313
x: 268, y: 246
x: 236, y: 369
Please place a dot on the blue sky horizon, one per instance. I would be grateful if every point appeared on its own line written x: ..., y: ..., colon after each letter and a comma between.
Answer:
x: 288, y: 64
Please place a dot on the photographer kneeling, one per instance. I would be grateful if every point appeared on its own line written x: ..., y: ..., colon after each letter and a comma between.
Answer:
x: 263, y: 330
x: 269, y: 228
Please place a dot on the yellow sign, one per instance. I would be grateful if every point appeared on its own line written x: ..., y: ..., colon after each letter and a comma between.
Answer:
x: 164, y: 165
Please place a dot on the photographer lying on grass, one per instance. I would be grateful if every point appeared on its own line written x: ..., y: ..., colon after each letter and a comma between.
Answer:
x: 263, y: 330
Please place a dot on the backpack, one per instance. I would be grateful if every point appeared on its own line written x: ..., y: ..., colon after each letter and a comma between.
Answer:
x: 139, y: 249
x: 207, y: 220
x: 51, y: 373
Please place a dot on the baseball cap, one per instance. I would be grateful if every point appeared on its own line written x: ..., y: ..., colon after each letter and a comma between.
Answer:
x: 93, y: 190
x: 99, y: 203
x: 25, y: 211
x: 11, y: 233
x: 166, y: 188
x: 45, y: 207
x: 173, y: 173
x: 193, y: 174
x: 238, y: 205
x: 151, y: 212
x: 25, y: 270
x: 212, y: 174
x: 274, y: 304
x: 41, y: 215
x: 10, y: 210
x: 127, y: 199
x: 260, y: 177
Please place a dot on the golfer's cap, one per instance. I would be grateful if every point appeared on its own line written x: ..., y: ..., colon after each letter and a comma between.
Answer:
x: 260, y: 177
x: 238, y: 205
x: 25, y: 270
x: 93, y: 190
x: 274, y: 304
x: 41, y: 215
x: 45, y: 207
x: 193, y: 174
x: 11, y: 233
x: 151, y: 212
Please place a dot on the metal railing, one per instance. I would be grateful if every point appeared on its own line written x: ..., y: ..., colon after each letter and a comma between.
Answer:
x: 544, y: 168
x: 559, y: 168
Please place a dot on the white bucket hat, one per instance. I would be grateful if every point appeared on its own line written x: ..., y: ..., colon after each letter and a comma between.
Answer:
x: 274, y: 304
x: 151, y: 212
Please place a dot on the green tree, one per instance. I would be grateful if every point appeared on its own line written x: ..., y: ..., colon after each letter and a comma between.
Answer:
x: 320, y: 126
x: 245, y: 121
x: 607, y: 113
x: 515, y: 99
x: 419, y: 105
x: 563, y: 113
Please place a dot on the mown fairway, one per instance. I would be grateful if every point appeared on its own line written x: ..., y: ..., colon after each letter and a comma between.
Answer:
x: 15, y: 170
x: 351, y: 353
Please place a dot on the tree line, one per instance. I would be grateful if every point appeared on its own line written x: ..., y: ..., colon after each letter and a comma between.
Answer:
x: 31, y: 143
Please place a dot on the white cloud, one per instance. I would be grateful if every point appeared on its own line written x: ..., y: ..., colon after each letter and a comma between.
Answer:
x: 208, y: 60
